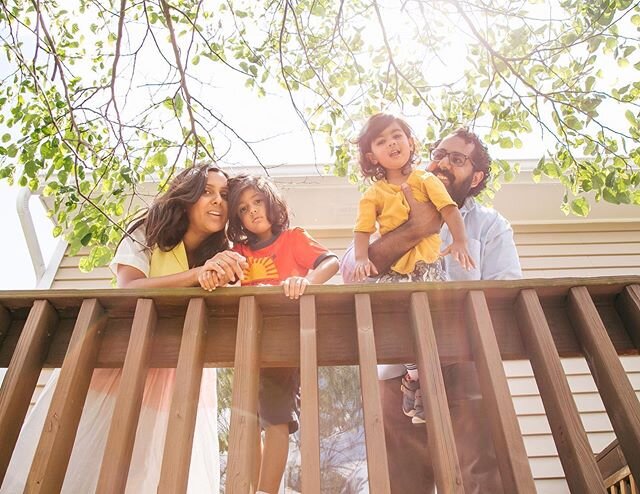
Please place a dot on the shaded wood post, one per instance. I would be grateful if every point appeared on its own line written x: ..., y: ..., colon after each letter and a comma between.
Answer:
x: 615, y: 389
x: 244, y: 400
x: 60, y: 427
x: 310, y: 425
x: 507, y: 437
x: 122, y: 431
x: 442, y: 443
x: 22, y: 375
x: 176, y: 458
x: 5, y: 322
x: 372, y: 408
x: 628, y: 305
x: 579, y: 463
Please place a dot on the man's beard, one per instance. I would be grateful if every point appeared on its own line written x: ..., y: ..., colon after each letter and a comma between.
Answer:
x: 458, y: 190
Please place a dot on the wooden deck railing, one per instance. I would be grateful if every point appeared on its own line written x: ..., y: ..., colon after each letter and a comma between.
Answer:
x: 540, y: 320
x: 615, y: 471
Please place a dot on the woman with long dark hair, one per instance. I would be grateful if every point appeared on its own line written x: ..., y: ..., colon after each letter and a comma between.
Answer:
x: 169, y: 246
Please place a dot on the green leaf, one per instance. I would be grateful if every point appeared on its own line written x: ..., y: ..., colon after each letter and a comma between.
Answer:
x: 178, y: 104
x: 158, y: 160
x: 580, y: 206
x: 86, y: 239
x: 6, y: 137
x: 631, y: 118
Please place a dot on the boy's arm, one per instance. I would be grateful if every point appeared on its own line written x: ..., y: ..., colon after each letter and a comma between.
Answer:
x: 324, y: 271
x: 458, y: 248
x: 361, y: 245
x: 452, y: 217
x: 295, y: 286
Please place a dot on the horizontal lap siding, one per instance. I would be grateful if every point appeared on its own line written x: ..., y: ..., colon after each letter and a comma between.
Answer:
x: 575, y: 249
x: 541, y: 449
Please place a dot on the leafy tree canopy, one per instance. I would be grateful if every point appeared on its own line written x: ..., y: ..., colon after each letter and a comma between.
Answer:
x: 85, y: 119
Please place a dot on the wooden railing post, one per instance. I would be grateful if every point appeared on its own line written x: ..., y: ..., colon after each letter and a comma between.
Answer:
x: 615, y: 389
x: 628, y: 303
x: 60, y: 427
x: 22, y: 376
x: 507, y: 438
x: 372, y: 408
x: 176, y: 458
x: 577, y: 459
x: 310, y: 425
x: 244, y: 400
x: 446, y: 467
x: 122, y: 431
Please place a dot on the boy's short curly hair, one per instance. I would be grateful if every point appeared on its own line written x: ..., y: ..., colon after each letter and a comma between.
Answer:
x: 277, y: 211
x: 372, y: 129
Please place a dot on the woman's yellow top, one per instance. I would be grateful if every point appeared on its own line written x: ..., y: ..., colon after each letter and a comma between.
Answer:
x: 171, y: 262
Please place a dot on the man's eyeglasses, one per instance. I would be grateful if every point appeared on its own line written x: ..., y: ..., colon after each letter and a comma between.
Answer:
x: 455, y: 158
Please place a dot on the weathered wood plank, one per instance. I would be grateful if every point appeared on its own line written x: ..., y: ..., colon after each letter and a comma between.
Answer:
x: 122, y: 431
x: 244, y: 400
x: 507, y: 438
x: 22, y: 375
x: 310, y: 425
x: 176, y: 458
x: 615, y: 389
x: 628, y: 304
x: 577, y: 459
x: 442, y: 444
x: 372, y: 408
x: 60, y: 427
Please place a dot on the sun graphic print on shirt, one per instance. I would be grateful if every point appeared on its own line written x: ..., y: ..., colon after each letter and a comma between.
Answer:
x: 261, y: 270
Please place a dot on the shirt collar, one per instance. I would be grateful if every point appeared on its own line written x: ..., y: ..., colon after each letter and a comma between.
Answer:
x: 469, y: 205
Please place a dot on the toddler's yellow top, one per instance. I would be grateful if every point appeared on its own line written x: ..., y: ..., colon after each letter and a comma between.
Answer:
x: 385, y: 203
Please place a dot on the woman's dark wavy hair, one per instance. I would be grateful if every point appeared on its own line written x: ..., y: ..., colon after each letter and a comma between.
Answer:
x: 372, y: 129
x: 167, y: 220
x: 479, y: 157
x: 277, y: 211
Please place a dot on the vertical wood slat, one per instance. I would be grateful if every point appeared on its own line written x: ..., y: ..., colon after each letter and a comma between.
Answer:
x: 310, y: 425
x: 507, y: 437
x: 60, y: 427
x: 372, y: 408
x: 244, y: 399
x: 628, y: 305
x: 634, y: 486
x: 5, y: 321
x: 442, y: 444
x: 580, y: 467
x: 22, y: 375
x: 122, y: 431
x: 176, y: 458
x: 615, y: 389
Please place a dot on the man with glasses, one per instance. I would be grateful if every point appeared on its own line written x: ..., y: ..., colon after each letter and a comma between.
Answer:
x: 462, y: 162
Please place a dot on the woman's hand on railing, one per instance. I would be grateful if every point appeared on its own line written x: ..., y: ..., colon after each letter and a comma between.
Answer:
x: 223, y: 268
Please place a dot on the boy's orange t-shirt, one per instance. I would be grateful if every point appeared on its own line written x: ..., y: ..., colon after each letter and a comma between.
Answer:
x: 293, y: 253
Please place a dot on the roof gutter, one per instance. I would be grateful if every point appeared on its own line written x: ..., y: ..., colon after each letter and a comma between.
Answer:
x: 22, y: 206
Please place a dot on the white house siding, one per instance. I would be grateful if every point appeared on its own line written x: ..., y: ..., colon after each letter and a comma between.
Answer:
x: 548, y: 247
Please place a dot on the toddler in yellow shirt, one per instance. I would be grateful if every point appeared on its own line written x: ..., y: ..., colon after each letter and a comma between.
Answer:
x: 387, y: 158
